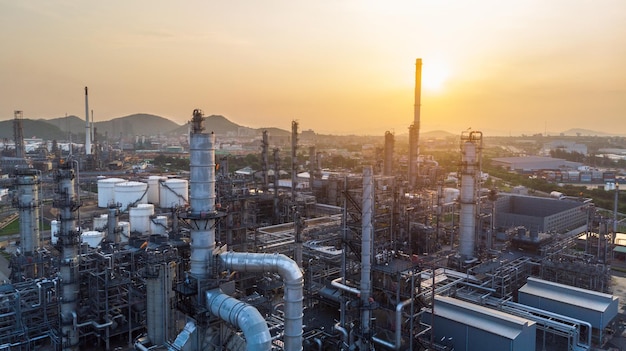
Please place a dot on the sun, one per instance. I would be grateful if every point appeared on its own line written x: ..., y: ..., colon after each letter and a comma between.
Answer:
x: 434, y: 76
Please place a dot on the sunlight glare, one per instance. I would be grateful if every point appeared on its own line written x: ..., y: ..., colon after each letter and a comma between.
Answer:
x: 434, y: 76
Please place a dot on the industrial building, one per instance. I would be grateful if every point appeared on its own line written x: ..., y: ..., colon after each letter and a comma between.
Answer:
x: 371, y: 260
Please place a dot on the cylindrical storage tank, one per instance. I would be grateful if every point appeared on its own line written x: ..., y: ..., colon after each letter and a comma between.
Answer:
x: 173, y: 192
x: 92, y: 238
x: 106, y: 191
x: 158, y: 225
x: 154, y: 188
x: 100, y: 222
x: 131, y: 194
x: 125, y: 227
x: 450, y: 195
x: 140, y: 218
x: 54, y: 231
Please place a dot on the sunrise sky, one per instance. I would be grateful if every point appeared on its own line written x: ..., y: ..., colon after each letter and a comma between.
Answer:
x: 336, y: 66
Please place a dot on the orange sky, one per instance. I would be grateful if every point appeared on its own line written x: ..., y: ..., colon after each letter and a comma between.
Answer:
x: 341, y: 67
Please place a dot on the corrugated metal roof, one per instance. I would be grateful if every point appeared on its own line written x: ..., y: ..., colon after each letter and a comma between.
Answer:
x: 476, y: 316
x: 582, y: 298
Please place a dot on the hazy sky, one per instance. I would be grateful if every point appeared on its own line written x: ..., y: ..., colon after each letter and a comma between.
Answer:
x: 336, y: 66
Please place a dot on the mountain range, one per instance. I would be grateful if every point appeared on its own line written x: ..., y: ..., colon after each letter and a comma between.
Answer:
x: 137, y: 124
x: 146, y: 124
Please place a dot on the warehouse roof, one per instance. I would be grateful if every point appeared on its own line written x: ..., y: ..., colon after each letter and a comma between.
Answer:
x: 534, y: 163
x: 492, y: 321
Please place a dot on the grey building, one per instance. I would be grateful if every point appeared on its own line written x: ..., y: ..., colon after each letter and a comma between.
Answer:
x: 534, y: 163
x: 540, y: 214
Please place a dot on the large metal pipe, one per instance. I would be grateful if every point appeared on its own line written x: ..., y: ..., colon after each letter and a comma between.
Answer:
x: 398, y: 334
x: 367, y: 248
x: 293, y: 279
x: 87, y: 124
x: 242, y: 316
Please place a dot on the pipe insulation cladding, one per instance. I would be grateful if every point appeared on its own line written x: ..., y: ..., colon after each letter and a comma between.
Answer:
x: 292, y: 277
x: 242, y: 316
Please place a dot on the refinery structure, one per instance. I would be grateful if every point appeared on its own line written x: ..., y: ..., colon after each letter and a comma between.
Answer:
x: 383, y: 259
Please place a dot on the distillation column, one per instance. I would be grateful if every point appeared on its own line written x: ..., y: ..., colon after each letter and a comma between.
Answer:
x: 159, y: 293
x: 201, y: 197
x: 294, y: 159
x: 69, y: 240
x: 27, y: 202
x: 87, y: 125
x: 471, y: 147
x: 414, y: 129
x: 265, y: 160
x: 18, y: 134
x: 367, y: 248
x: 388, y: 160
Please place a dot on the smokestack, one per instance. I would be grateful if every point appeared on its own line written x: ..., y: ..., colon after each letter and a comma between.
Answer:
x: 414, y: 129
x: 92, y: 130
x: 388, y: 158
x: 418, y: 93
x: 87, y: 125
x: 18, y: 134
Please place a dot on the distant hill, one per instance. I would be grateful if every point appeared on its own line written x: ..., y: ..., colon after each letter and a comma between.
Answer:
x: 220, y: 125
x: 137, y: 124
x: 585, y: 132
x: 71, y: 124
x: 437, y: 134
x: 33, y: 128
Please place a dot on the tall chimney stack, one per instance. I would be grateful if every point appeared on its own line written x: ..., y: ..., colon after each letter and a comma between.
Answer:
x: 414, y: 129
x: 87, y: 125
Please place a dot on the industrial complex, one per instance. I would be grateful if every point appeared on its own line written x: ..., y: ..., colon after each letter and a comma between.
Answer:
x: 387, y: 258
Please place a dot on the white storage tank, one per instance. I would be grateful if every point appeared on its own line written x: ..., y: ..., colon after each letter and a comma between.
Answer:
x: 158, y: 225
x: 174, y: 192
x: 154, y: 188
x: 140, y: 218
x: 92, y: 238
x: 450, y: 195
x: 54, y: 231
x: 125, y: 226
x: 106, y: 191
x: 100, y: 222
x: 131, y: 193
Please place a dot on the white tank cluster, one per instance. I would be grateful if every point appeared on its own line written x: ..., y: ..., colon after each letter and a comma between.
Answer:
x: 158, y: 225
x: 157, y: 190
x: 154, y: 188
x: 100, y: 222
x: 92, y: 238
x: 140, y: 218
x: 173, y: 192
x: 131, y: 193
x: 106, y: 191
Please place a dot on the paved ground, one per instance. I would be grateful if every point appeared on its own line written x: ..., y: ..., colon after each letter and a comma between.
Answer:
x: 619, y: 289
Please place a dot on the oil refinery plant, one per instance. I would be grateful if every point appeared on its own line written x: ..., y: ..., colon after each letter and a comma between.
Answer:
x: 380, y: 260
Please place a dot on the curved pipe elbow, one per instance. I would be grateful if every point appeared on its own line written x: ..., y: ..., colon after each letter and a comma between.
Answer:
x: 242, y: 316
x: 293, y: 279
